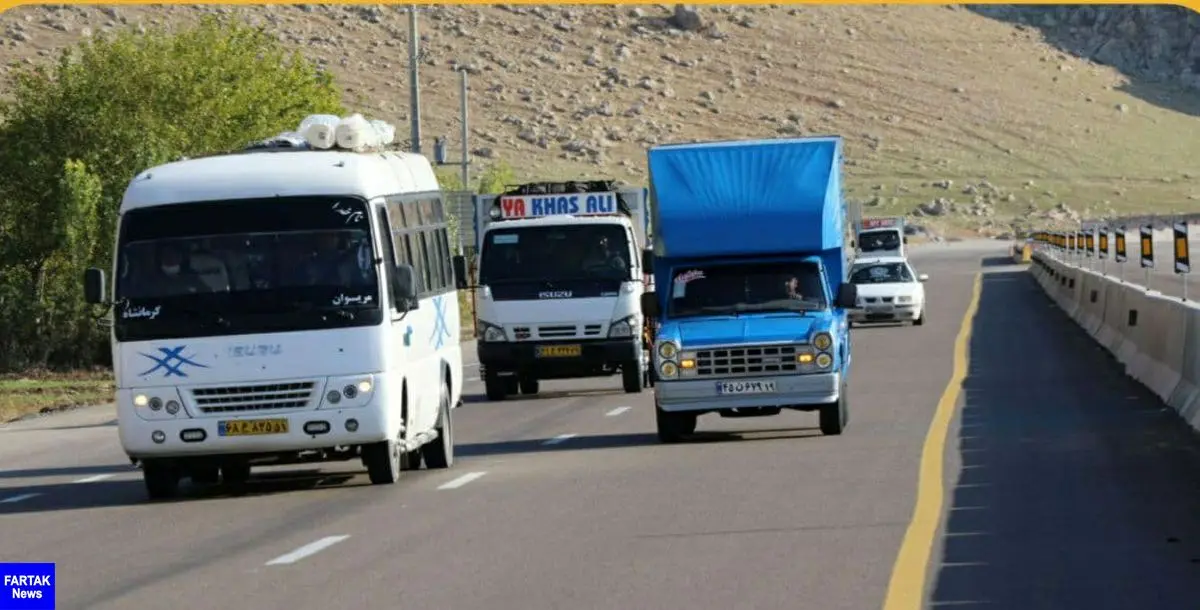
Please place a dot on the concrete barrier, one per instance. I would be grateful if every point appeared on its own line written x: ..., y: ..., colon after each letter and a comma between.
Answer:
x: 1090, y: 311
x: 1156, y: 337
x: 1186, y: 398
x: 1116, y: 317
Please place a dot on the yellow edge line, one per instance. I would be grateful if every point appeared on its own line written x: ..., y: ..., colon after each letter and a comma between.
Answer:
x: 906, y: 589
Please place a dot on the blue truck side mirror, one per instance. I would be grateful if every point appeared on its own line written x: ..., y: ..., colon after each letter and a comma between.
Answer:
x: 847, y: 296
x: 650, y: 304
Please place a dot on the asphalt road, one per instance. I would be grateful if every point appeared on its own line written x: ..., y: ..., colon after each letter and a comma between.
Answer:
x: 1067, y: 487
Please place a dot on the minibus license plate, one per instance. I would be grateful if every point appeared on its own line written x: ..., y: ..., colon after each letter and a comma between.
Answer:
x: 252, y: 427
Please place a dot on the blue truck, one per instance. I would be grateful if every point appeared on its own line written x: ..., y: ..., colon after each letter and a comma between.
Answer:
x: 751, y: 299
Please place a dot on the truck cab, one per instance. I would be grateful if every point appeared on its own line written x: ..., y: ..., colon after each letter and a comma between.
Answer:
x: 560, y: 279
x: 750, y: 265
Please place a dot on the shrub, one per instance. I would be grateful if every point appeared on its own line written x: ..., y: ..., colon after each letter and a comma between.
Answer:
x: 77, y: 130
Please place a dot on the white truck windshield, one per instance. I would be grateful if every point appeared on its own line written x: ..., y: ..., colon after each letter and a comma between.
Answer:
x: 555, y: 253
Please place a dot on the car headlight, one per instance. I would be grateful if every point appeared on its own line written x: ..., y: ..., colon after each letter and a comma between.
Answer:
x: 904, y: 299
x: 622, y: 328
x: 822, y: 341
x: 667, y: 350
x: 491, y: 333
x: 824, y: 360
x: 668, y: 369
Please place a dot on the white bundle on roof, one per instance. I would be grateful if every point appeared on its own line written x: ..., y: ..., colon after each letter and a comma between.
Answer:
x: 387, y: 133
x: 355, y: 133
x: 319, y: 130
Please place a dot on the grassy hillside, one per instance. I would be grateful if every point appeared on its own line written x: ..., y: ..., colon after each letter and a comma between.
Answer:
x: 978, y: 121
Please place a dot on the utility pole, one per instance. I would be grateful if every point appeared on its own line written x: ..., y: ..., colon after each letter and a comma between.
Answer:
x: 466, y: 160
x: 414, y: 95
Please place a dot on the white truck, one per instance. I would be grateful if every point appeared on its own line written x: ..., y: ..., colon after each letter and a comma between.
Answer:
x: 561, y: 271
x: 880, y: 236
x: 283, y: 304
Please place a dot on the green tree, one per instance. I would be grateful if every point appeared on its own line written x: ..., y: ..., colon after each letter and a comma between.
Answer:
x: 77, y: 130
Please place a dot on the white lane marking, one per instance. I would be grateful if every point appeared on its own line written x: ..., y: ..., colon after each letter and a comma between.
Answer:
x: 470, y: 364
x: 617, y: 411
x: 307, y: 550
x: 20, y: 498
x: 558, y: 439
x: 94, y: 479
x: 471, y: 379
x: 463, y: 480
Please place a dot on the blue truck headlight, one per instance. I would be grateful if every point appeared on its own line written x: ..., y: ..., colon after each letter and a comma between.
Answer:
x: 824, y: 360
x: 823, y: 341
x: 667, y: 350
x: 668, y: 369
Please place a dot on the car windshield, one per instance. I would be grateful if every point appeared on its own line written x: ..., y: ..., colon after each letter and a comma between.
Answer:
x: 880, y: 273
x: 241, y: 267
x: 874, y: 241
x: 730, y: 289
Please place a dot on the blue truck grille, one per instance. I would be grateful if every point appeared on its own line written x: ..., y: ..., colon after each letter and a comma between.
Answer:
x: 749, y: 360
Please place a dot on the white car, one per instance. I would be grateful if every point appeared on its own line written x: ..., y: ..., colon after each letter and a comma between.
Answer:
x: 888, y: 291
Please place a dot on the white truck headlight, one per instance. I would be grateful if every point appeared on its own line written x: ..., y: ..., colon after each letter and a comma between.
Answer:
x: 491, y: 333
x: 622, y: 328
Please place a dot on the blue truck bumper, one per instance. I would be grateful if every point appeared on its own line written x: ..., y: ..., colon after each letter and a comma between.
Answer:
x: 791, y: 391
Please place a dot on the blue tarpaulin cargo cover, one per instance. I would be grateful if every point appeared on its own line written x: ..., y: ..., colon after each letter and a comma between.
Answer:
x: 747, y: 197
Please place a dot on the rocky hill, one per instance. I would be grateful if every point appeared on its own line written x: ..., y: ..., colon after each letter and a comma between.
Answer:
x: 967, y: 122
x: 1158, y: 43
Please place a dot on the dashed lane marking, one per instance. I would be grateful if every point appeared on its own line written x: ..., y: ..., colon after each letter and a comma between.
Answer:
x: 19, y: 498
x: 562, y: 438
x: 94, y: 479
x: 463, y: 480
x: 307, y: 550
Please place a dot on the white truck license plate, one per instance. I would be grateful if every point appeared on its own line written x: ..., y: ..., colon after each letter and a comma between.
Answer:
x: 745, y: 387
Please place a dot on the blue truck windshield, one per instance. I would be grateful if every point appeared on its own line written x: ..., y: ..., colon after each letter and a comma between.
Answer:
x: 215, y: 268
x: 726, y: 289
